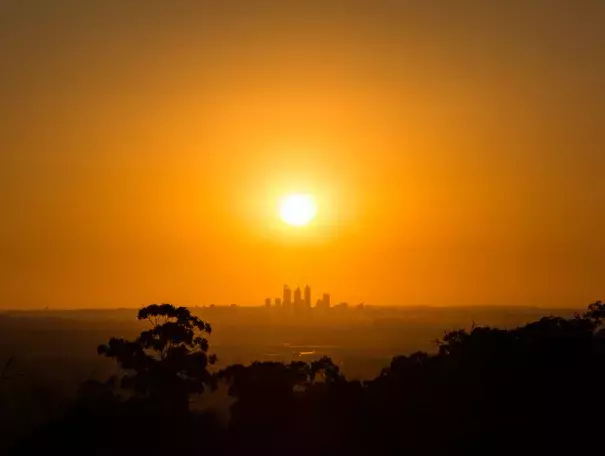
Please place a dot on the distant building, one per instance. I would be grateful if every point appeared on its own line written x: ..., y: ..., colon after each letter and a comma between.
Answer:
x: 298, y: 301
x: 277, y: 304
x: 308, y: 297
x: 268, y: 303
x: 326, y: 300
x: 323, y: 302
x: 287, y: 298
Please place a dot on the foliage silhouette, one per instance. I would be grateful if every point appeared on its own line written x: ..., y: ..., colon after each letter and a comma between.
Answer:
x: 486, y: 389
x: 274, y: 404
x: 168, y: 362
x: 531, y: 389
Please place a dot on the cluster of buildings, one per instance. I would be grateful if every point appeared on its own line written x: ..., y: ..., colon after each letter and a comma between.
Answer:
x: 297, y: 300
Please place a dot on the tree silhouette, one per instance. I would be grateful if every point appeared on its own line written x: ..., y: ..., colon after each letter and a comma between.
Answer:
x: 531, y: 389
x: 327, y: 370
x: 595, y: 314
x: 486, y: 387
x: 168, y: 362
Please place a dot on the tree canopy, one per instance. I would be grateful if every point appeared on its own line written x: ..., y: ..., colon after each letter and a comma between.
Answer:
x: 167, y: 362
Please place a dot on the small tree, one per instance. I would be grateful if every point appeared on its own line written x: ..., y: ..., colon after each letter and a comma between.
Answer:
x: 168, y: 362
x: 595, y: 313
x: 326, y: 368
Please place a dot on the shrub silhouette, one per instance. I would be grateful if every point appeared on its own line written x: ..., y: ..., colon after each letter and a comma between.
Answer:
x: 275, y: 409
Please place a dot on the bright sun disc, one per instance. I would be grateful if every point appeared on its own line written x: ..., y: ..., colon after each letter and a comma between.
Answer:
x: 297, y: 209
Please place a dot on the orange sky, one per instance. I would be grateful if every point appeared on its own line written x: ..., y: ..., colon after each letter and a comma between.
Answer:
x: 457, y: 152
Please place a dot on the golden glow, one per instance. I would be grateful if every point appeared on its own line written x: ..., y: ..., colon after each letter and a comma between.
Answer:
x: 369, y: 114
x: 297, y: 209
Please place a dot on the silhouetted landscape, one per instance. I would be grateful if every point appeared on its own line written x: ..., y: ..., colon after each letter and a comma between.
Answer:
x: 374, y: 380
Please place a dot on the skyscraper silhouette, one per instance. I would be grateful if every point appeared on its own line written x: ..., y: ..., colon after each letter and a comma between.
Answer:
x: 308, y: 297
x: 287, y: 298
x: 298, y: 302
x: 326, y: 300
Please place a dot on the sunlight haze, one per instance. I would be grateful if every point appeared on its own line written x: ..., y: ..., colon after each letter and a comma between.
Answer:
x: 455, y: 155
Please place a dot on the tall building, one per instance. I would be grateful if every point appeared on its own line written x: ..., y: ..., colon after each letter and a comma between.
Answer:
x: 277, y: 303
x: 308, y: 297
x: 268, y: 303
x: 298, y: 298
x: 287, y: 298
x: 326, y: 300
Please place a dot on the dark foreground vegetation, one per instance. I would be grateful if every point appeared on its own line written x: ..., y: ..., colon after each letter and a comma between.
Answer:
x: 534, y: 389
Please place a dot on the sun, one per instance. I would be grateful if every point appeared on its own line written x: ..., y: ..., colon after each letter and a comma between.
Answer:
x: 297, y: 209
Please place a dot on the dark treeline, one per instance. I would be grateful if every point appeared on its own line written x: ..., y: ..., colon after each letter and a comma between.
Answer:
x: 531, y: 389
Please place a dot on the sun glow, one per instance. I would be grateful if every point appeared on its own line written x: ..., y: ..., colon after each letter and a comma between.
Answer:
x: 297, y: 209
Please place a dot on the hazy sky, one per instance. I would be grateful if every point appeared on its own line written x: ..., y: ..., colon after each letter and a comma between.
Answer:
x: 456, y: 148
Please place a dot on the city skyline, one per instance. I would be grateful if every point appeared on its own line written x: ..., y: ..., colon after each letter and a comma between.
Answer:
x: 298, y: 300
